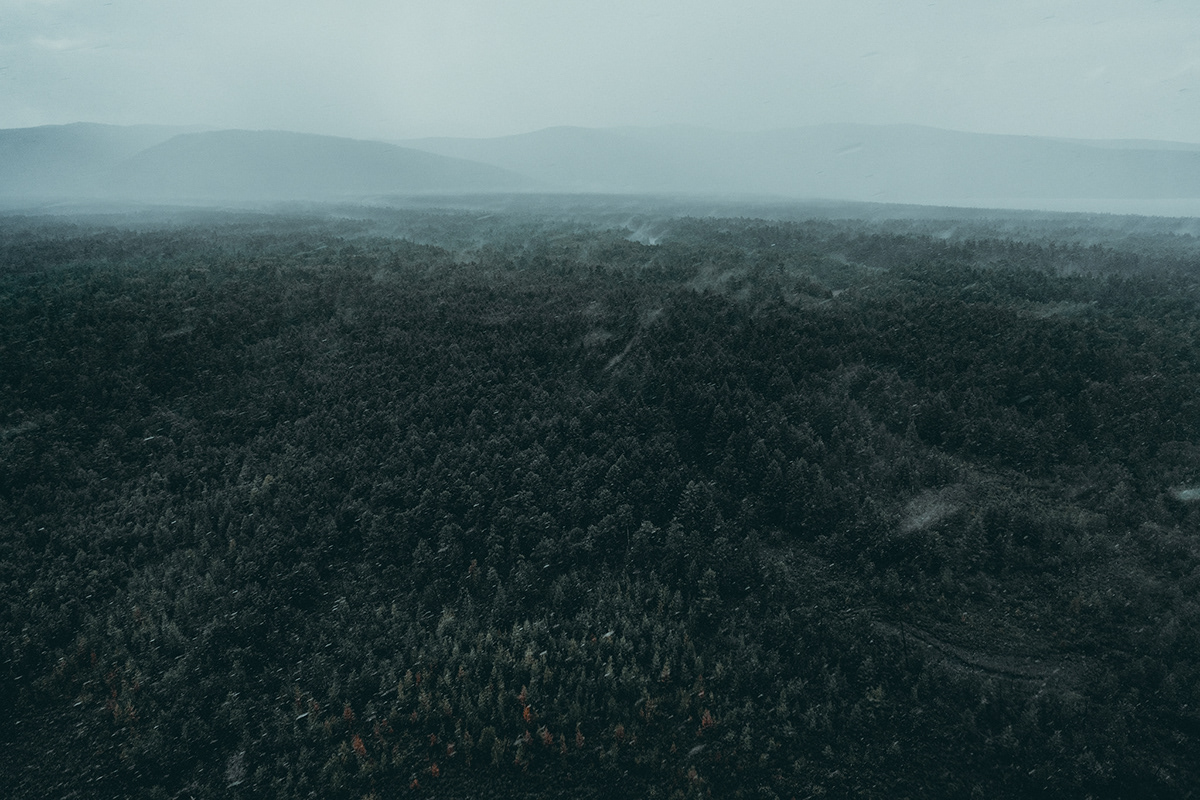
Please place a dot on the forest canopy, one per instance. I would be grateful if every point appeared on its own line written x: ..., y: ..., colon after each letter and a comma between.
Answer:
x: 534, y: 501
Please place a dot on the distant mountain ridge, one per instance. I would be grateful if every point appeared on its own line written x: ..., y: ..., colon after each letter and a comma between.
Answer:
x: 898, y: 163
x: 843, y: 162
x: 269, y: 165
x: 151, y: 164
x: 69, y: 160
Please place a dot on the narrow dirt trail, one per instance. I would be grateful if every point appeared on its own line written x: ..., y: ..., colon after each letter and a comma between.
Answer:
x: 1063, y: 670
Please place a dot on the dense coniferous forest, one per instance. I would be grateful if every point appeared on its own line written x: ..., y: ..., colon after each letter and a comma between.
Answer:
x: 446, y: 503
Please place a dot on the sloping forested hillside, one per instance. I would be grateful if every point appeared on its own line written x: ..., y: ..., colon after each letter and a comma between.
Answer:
x: 290, y: 508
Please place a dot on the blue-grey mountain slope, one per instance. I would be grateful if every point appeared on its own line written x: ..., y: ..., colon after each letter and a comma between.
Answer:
x: 852, y: 162
x: 153, y: 164
x: 888, y: 164
x: 581, y: 159
x: 277, y: 165
x: 69, y: 161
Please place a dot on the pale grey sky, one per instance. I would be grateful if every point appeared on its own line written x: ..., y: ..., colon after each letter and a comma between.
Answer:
x: 375, y: 69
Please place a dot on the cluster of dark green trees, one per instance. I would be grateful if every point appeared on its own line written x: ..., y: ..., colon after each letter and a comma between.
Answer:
x: 520, y: 507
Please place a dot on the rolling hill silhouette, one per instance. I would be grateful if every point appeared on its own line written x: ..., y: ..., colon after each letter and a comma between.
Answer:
x: 901, y: 163
x: 278, y: 165
x: 58, y: 161
x: 154, y: 164
x: 889, y: 164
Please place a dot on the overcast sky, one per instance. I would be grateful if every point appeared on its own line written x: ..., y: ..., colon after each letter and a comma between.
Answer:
x: 399, y: 68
